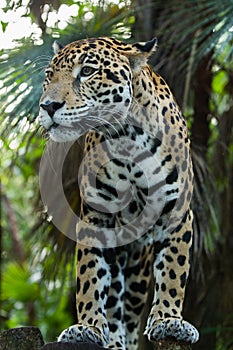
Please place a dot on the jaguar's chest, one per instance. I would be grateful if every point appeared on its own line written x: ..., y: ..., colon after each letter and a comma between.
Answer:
x: 130, y: 175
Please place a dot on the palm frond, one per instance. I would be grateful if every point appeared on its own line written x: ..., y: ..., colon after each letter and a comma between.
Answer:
x: 188, y: 32
x: 21, y: 85
x: 206, y: 220
x: 210, y: 23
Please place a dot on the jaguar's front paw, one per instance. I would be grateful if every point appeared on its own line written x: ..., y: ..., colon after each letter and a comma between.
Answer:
x: 171, y: 327
x: 80, y: 333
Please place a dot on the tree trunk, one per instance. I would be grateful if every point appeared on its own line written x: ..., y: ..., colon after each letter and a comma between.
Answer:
x: 143, y: 27
x: 224, y: 170
x: 202, y: 90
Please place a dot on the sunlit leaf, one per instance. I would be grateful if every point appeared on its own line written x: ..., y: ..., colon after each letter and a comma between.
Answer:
x: 4, y: 26
x: 17, y: 277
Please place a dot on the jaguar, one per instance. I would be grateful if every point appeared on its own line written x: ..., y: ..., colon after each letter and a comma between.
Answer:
x: 135, y: 183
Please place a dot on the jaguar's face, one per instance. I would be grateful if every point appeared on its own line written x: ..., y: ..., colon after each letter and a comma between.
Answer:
x: 88, y: 83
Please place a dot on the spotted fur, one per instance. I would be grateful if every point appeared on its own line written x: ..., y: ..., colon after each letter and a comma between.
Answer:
x: 135, y: 185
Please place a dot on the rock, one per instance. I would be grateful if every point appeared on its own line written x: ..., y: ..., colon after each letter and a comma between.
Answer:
x: 22, y: 338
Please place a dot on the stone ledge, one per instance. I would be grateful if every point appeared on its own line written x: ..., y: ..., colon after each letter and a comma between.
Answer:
x: 171, y: 344
x: 21, y: 338
x: 69, y: 346
x: 30, y: 338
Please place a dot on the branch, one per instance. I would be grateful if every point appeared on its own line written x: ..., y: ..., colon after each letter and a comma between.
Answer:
x: 17, y: 247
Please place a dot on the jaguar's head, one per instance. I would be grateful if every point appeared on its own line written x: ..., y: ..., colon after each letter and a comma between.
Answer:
x: 89, y: 83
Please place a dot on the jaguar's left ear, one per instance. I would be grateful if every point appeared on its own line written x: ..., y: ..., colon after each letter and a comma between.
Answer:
x: 140, y: 53
x: 57, y: 47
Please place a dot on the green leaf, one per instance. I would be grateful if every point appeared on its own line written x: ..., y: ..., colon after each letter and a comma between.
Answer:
x: 4, y: 25
x: 219, y: 82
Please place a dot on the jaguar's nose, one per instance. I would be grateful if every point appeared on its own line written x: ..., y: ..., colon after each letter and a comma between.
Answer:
x: 52, y: 107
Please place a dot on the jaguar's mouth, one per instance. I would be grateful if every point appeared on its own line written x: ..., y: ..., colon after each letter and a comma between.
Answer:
x: 53, y: 126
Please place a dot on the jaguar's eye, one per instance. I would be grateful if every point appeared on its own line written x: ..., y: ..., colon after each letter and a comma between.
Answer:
x: 49, y: 72
x: 87, y: 71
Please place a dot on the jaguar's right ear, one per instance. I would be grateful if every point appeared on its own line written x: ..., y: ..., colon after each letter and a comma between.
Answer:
x: 57, y: 47
x: 138, y: 54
